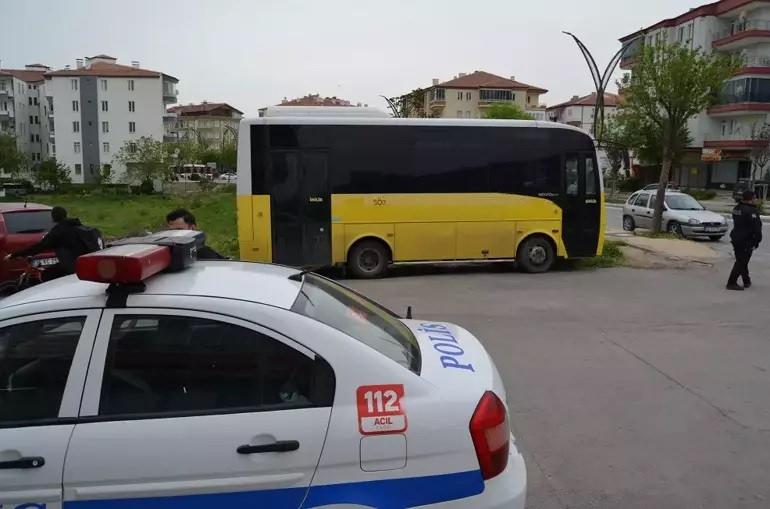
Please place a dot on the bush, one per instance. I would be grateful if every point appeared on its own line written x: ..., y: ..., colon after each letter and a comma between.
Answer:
x: 147, y: 187
x: 702, y: 194
x: 629, y: 184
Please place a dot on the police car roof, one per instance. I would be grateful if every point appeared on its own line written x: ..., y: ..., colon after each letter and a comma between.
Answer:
x: 253, y: 282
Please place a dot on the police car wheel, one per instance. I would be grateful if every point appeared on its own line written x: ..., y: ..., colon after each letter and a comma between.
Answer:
x: 368, y: 259
x: 675, y: 228
x: 535, y: 255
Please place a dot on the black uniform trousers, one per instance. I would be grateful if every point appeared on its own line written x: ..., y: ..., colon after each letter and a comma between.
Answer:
x: 743, y: 253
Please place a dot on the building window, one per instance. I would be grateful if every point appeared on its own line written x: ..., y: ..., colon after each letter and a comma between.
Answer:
x: 76, y: 147
x: 74, y: 84
x: 105, y: 127
x: 460, y: 96
x: 75, y: 105
x: 29, y: 100
x: 467, y: 114
x: 78, y: 169
x: 438, y: 94
x: 31, y: 120
x: 37, y: 120
x: 35, y: 101
x: 37, y: 138
x: 131, y: 106
x: 131, y: 85
x: 104, y: 85
x: 32, y: 138
x: 467, y: 96
x: 132, y: 148
x: 496, y: 95
x: 132, y: 127
x: 105, y: 106
x: 105, y: 147
x: 75, y: 126
x: 459, y: 113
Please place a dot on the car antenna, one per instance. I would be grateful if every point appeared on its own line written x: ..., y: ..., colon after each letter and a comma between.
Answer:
x: 299, y: 275
x: 409, y: 312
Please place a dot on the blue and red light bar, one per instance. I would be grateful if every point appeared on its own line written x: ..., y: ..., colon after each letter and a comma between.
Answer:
x: 123, y: 265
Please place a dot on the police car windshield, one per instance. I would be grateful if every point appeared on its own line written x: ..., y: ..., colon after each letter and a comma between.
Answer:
x: 358, y: 317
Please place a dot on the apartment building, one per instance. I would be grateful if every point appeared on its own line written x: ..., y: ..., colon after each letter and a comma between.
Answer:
x: 470, y: 95
x: 208, y: 123
x: 24, y: 110
x: 722, y: 136
x: 579, y: 111
x: 100, y: 105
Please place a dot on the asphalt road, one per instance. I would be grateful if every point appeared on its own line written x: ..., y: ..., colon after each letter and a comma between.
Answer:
x: 628, y: 388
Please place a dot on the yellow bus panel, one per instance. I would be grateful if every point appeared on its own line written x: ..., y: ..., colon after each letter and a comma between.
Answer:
x: 425, y: 241
x: 480, y: 240
x: 254, y: 230
x: 350, y: 233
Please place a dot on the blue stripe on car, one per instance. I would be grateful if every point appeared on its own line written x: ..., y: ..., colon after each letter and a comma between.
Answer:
x: 382, y: 494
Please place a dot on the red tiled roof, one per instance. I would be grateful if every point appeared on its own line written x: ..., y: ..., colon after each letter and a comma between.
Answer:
x: 107, y: 70
x: 481, y: 79
x: 588, y: 100
x: 197, y: 109
x: 316, y: 100
x: 712, y: 9
x: 24, y: 74
x: 104, y: 56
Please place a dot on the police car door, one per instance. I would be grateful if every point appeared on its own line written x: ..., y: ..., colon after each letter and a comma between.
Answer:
x: 43, y: 362
x: 192, y: 409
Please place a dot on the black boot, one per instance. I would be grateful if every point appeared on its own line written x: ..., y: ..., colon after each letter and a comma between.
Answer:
x: 747, y: 284
x: 734, y: 286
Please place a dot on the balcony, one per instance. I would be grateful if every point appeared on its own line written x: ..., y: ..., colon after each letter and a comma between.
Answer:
x: 739, y: 109
x: 631, y: 52
x: 6, y: 114
x: 742, y: 34
x: 738, y: 141
x: 437, y: 98
x: 756, y: 64
x: 170, y: 94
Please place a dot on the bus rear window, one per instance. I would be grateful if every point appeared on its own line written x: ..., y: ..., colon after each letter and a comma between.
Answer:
x: 34, y: 221
x: 359, y: 318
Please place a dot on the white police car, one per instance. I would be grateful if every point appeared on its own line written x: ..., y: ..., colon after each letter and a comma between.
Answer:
x: 240, y: 385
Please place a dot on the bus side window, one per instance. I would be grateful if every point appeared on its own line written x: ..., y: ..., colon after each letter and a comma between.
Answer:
x: 571, y: 175
x: 591, y: 176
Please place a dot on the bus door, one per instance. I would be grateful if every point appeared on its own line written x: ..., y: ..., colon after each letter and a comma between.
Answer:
x: 300, y: 208
x: 581, y: 205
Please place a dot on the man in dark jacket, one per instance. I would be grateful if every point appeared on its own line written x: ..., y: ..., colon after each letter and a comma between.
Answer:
x: 63, y: 239
x: 182, y: 219
x: 746, y: 236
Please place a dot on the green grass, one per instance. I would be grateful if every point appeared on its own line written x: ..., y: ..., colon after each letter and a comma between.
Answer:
x: 126, y: 215
x: 611, y: 256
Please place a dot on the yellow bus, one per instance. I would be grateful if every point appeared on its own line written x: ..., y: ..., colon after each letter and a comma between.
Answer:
x: 368, y: 192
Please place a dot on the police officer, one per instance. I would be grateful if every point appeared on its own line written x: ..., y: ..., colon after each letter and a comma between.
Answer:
x: 746, y: 236
x: 182, y: 219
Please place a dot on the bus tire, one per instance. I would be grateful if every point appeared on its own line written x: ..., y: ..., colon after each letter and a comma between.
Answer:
x: 536, y: 254
x: 368, y: 259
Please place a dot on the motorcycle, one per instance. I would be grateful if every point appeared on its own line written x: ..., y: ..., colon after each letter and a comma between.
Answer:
x: 31, y: 276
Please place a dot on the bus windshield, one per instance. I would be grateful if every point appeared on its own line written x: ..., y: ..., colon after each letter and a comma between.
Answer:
x: 359, y: 318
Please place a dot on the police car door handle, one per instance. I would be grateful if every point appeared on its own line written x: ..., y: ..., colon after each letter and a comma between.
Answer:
x: 279, y: 446
x: 23, y: 463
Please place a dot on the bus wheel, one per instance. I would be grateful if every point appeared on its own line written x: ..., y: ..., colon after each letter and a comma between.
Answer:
x: 536, y: 254
x: 368, y: 259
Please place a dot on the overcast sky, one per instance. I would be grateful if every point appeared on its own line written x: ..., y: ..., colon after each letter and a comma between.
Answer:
x: 252, y: 53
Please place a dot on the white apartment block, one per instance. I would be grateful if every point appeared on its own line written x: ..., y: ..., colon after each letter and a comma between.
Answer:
x: 721, y: 137
x: 99, y: 106
x: 579, y: 111
x: 24, y: 110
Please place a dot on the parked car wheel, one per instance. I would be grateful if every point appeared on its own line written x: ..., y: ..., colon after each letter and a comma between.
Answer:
x: 535, y: 254
x: 628, y: 223
x: 675, y: 228
x: 715, y: 238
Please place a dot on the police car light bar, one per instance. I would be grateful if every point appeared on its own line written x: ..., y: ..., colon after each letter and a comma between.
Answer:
x: 123, y: 265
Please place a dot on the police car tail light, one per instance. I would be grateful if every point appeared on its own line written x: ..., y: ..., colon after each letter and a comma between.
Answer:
x: 128, y: 264
x: 491, y: 435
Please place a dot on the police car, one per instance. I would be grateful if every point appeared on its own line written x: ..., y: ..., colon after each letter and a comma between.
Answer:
x: 148, y: 380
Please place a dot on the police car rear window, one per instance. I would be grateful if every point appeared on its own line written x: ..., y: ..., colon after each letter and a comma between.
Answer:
x: 34, y: 221
x: 360, y: 318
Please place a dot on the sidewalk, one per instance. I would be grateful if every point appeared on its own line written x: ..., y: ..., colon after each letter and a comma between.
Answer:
x: 651, y: 253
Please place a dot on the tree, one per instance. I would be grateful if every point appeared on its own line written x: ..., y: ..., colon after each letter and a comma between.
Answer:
x: 760, y: 151
x: 12, y: 161
x: 411, y: 104
x: 145, y: 160
x: 51, y: 175
x: 616, y: 145
x: 669, y: 85
x: 507, y: 111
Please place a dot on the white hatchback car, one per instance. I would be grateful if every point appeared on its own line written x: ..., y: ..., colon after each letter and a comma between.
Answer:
x: 682, y: 215
x: 228, y: 384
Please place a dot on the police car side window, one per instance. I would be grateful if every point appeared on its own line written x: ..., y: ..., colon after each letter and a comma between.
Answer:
x: 172, y: 364
x: 35, y: 360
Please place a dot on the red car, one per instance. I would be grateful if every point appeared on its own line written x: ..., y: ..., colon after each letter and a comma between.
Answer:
x: 22, y: 225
